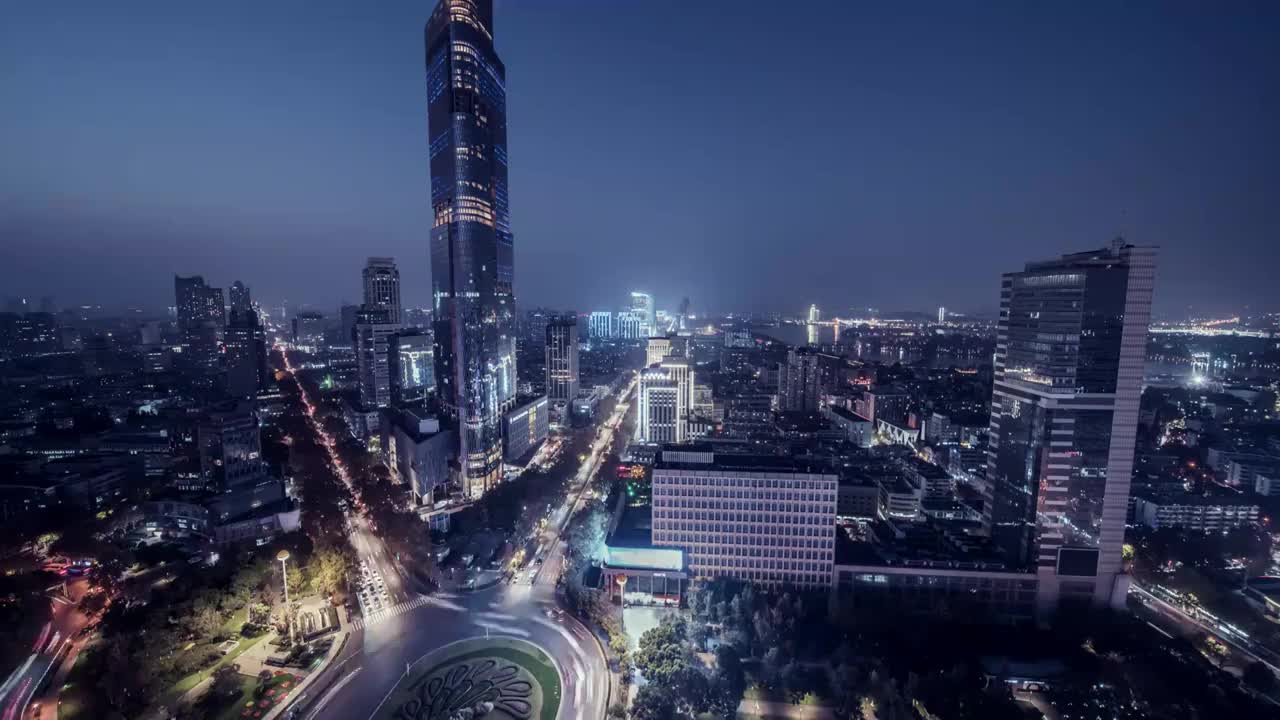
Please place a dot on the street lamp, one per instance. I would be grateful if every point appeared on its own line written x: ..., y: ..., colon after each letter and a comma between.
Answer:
x: 283, y: 557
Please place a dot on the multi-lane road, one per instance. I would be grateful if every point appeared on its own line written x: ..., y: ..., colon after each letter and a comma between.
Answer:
x: 51, y: 655
x: 406, y: 625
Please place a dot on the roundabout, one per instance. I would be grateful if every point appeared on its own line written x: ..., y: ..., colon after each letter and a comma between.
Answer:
x: 499, y: 678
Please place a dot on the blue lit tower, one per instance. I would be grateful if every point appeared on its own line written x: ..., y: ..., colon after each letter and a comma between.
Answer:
x: 471, y: 246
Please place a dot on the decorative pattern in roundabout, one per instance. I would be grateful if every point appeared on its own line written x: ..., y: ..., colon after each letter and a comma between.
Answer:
x: 498, y: 679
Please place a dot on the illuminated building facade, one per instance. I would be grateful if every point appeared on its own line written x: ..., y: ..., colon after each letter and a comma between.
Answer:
x: 601, y: 324
x: 524, y: 427
x: 630, y: 325
x: 562, y: 359
x: 471, y: 242
x: 767, y: 520
x: 202, y: 315
x: 642, y: 304
x: 411, y: 366
x: 373, y: 332
x: 382, y: 287
x: 1064, y: 417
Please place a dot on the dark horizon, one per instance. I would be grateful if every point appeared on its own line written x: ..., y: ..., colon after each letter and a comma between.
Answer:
x: 908, y: 158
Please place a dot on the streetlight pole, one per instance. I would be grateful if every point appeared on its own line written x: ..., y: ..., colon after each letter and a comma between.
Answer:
x: 283, y: 557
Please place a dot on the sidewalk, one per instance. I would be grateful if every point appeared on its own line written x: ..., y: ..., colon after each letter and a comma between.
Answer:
x: 770, y: 709
x: 313, y: 676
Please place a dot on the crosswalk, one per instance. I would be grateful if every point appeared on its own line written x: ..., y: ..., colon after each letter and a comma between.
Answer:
x: 381, y: 615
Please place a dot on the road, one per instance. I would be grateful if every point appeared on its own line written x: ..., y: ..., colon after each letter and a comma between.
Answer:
x: 370, y: 666
x: 52, y: 654
x: 1186, y: 623
x: 368, y: 546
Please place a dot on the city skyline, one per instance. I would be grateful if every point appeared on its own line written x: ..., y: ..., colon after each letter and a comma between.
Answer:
x: 833, y: 381
x: 939, y: 168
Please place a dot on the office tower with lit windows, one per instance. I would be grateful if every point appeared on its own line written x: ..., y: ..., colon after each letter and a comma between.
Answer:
x: 562, y: 359
x: 471, y: 242
x: 1069, y: 362
x: 767, y: 520
x: 308, y: 328
x: 382, y: 287
x: 201, y: 321
x: 815, y: 315
x: 373, y: 331
x: 642, y: 304
x: 601, y: 324
x: 411, y: 366
x: 630, y: 325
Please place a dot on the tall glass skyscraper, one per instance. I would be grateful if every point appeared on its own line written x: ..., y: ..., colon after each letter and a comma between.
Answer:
x: 1064, y: 417
x: 471, y: 244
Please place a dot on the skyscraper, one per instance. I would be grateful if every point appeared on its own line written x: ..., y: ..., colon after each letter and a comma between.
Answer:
x: 241, y: 303
x: 201, y: 320
x: 373, y: 330
x: 471, y: 242
x: 562, y: 359
x: 642, y: 303
x: 382, y: 287
x: 1064, y: 416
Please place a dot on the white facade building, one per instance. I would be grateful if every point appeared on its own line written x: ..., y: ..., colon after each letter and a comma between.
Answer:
x: 767, y: 520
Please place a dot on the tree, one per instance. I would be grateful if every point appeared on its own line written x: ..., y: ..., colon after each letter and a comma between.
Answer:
x: 205, y: 618
x: 328, y: 570
x: 662, y: 653
x: 226, y: 681
x: 653, y: 702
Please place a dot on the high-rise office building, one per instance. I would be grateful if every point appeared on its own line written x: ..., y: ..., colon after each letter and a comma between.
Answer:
x: 805, y: 378
x: 562, y: 359
x: 658, y: 410
x: 666, y: 392
x: 657, y: 349
x: 768, y: 520
x: 230, y: 449
x: 642, y: 303
x: 201, y: 320
x: 630, y: 325
x: 245, y: 356
x: 942, y: 315
x: 1069, y: 361
x: 602, y: 324
x: 241, y: 303
x: 411, y: 366
x: 815, y: 315
x: 382, y: 287
x: 373, y: 329
x: 308, y: 328
x: 535, y: 326
x: 471, y: 243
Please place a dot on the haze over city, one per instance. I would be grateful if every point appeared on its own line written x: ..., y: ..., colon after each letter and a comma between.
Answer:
x: 937, y: 143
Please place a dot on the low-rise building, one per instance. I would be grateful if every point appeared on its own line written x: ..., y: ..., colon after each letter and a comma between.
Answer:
x: 1190, y: 511
x: 524, y: 427
x: 417, y: 451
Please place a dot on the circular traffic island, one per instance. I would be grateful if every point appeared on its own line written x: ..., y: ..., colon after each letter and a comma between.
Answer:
x: 479, y: 679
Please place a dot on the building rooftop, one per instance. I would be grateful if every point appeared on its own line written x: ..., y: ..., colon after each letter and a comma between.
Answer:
x: 701, y: 456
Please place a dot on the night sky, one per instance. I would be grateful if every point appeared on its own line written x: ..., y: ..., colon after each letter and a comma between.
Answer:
x: 749, y: 155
